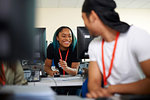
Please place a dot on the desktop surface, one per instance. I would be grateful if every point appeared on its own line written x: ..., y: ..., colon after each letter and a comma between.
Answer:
x: 122, y: 97
x: 63, y: 85
x: 127, y: 97
x: 17, y: 92
x: 61, y: 81
x: 45, y: 93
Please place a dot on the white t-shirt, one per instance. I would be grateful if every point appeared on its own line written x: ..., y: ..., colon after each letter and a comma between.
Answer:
x: 132, y: 47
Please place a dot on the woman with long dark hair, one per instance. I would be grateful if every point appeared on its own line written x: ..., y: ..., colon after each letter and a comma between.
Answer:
x: 63, y: 51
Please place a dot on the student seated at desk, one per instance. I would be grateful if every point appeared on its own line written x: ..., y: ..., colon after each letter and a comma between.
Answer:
x: 63, y: 51
x: 120, y: 54
x: 11, y: 73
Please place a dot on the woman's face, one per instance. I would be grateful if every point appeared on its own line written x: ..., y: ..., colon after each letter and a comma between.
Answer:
x: 65, y: 38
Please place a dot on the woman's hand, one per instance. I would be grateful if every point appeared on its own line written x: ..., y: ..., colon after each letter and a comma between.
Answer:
x: 73, y: 70
x: 52, y: 73
x: 63, y: 64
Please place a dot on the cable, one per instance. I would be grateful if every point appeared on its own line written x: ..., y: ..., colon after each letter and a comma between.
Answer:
x: 55, y: 83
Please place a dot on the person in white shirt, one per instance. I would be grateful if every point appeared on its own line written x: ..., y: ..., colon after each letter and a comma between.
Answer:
x: 120, y: 53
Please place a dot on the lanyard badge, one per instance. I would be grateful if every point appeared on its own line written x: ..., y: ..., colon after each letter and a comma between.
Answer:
x: 111, y: 64
x: 65, y: 58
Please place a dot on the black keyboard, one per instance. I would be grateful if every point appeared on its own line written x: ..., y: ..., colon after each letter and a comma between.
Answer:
x: 135, y: 97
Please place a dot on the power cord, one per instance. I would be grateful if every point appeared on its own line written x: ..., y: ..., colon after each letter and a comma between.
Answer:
x: 55, y: 83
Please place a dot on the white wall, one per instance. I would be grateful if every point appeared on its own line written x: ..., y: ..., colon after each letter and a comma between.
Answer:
x: 52, y: 18
x: 138, y: 17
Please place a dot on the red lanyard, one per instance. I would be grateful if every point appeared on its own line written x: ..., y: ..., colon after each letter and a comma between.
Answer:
x: 111, y: 64
x: 65, y: 58
x: 2, y: 78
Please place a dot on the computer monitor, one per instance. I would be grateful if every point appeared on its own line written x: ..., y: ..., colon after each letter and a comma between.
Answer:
x: 83, y: 40
x: 39, y: 48
x: 16, y: 28
x: 40, y: 44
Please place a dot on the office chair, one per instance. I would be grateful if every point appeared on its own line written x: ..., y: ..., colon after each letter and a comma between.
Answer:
x: 84, y: 89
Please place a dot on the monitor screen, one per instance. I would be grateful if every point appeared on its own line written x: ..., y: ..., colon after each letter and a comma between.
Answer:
x: 39, y: 48
x: 83, y: 40
x: 16, y: 28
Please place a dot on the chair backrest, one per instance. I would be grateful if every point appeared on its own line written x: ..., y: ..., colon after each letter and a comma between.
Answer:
x: 84, y: 90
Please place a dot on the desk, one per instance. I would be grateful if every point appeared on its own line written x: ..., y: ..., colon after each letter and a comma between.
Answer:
x: 59, y: 81
x: 45, y: 93
x: 63, y: 85
x: 123, y: 97
x: 61, y: 97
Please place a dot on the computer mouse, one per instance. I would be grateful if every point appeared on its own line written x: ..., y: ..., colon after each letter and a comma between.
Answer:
x: 57, y: 75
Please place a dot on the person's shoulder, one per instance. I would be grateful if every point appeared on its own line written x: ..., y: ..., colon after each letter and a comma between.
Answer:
x: 134, y: 30
x: 96, y: 40
x: 50, y: 45
x: 137, y: 37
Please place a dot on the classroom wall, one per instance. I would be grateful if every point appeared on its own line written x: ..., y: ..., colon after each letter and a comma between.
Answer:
x: 52, y: 18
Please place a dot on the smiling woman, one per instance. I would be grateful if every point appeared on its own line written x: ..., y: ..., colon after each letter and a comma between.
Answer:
x: 63, y: 51
x: 65, y: 38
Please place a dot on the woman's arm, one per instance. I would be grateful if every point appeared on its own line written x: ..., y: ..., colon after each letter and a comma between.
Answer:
x: 73, y: 70
x: 47, y: 67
